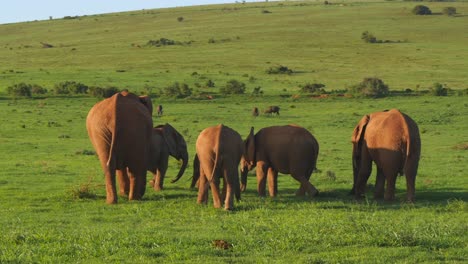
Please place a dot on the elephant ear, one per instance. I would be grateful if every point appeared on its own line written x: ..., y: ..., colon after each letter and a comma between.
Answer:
x: 250, y: 147
x: 360, y: 129
x: 170, y: 137
x: 146, y: 101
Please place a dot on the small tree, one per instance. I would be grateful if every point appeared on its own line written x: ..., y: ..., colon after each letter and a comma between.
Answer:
x: 449, y: 11
x: 178, y: 90
x: 210, y: 84
x: 312, y: 88
x: 370, y: 87
x: 439, y: 90
x: 20, y: 90
x: 421, y: 10
x: 280, y: 69
x: 233, y: 87
x: 180, y: 19
x: 368, y: 37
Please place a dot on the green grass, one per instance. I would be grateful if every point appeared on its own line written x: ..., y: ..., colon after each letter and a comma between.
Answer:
x: 52, y: 196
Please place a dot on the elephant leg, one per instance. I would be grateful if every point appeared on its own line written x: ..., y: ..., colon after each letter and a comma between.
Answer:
x: 230, y: 185
x: 137, y: 184
x: 111, y: 190
x: 202, y: 188
x: 379, y: 184
x: 214, y: 184
x: 390, y: 190
x: 261, y: 178
x: 272, y: 182
x: 224, y: 191
x: 306, y: 186
x: 410, y: 188
x: 365, y: 169
x: 159, y: 179
x: 124, y: 184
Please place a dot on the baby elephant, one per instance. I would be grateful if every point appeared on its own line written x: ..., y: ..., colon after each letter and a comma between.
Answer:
x: 273, y: 109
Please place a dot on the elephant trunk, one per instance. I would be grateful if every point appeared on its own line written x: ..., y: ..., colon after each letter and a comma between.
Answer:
x: 182, y: 168
x: 196, y: 171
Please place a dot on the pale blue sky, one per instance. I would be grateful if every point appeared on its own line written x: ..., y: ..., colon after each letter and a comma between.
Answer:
x: 28, y: 10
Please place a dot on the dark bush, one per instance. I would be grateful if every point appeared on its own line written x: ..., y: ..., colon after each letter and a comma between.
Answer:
x: 161, y: 42
x: 233, y: 87
x: 257, y: 91
x: 70, y: 87
x: 449, y: 11
x: 370, y: 87
x: 20, y: 90
x: 368, y: 37
x: 421, y: 10
x: 103, y: 92
x: 312, y: 88
x: 280, y: 69
x: 210, y: 84
x: 37, y: 89
x: 180, y: 19
x: 438, y: 90
x: 178, y: 90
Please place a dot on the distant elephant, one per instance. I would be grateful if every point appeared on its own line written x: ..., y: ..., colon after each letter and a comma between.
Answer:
x: 219, y: 150
x: 286, y: 149
x: 120, y: 129
x: 166, y: 141
x: 255, y: 112
x: 390, y: 139
x: 159, y: 110
x: 273, y: 109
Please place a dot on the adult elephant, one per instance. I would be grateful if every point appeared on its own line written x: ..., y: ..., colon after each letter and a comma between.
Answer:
x: 120, y: 129
x: 219, y: 150
x: 166, y: 140
x: 286, y: 149
x: 390, y: 139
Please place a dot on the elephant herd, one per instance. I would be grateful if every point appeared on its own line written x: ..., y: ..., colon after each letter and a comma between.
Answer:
x: 122, y: 133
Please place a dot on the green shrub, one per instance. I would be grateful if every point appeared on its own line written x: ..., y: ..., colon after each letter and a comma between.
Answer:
x: 312, y: 88
x: 257, y: 91
x: 439, y: 90
x: 103, y: 92
x: 449, y: 11
x: 368, y: 37
x: 210, y: 84
x: 177, y: 90
x: 421, y: 10
x: 280, y: 69
x: 161, y: 42
x: 233, y: 87
x: 370, y: 87
x: 70, y: 87
x: 20, y: 90
x: 37, y: 89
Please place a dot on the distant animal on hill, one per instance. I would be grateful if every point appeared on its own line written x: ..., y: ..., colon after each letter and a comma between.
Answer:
x: 159, y: 109
x: 272, y: 109
x: 391, y: 139
x: 255, y: 112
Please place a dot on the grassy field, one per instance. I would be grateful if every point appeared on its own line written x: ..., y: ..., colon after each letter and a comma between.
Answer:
x: 44, y: 145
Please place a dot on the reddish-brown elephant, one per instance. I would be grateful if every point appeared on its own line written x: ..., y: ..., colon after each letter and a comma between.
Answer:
x: 166, y: 141
x: 285, y: 149
x: 219, y: 150
x: 120, y: 129
x: 391, y: 139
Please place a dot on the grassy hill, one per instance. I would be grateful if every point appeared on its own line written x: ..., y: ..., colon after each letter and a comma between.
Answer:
x: 47, y: 160
x: 320, y: 43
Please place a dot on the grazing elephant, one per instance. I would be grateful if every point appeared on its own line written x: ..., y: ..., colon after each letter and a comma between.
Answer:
x: 159, y: 110
x: 286, y: 149
x: 120, y: 129
x: 255, y: 112
x: 390, y: 139
x: 219, y: 150
x: 272, y: 109
x: 166, y: 141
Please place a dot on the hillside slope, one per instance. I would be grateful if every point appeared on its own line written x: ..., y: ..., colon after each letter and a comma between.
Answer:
x: 320, y: 43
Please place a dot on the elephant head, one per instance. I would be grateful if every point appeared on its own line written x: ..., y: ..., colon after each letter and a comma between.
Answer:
x: 357, y: 140
x: 176, y: 146
x: 248, y: 159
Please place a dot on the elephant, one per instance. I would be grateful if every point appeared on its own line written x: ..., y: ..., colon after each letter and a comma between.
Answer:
x: 255, y: 112
x: 273, y: 109
x: 219, y: 150
x: 286, y: 149
x: 166, y: 141
x: 159, y: 110
x: 391, y: 139
x: 120, y: 129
